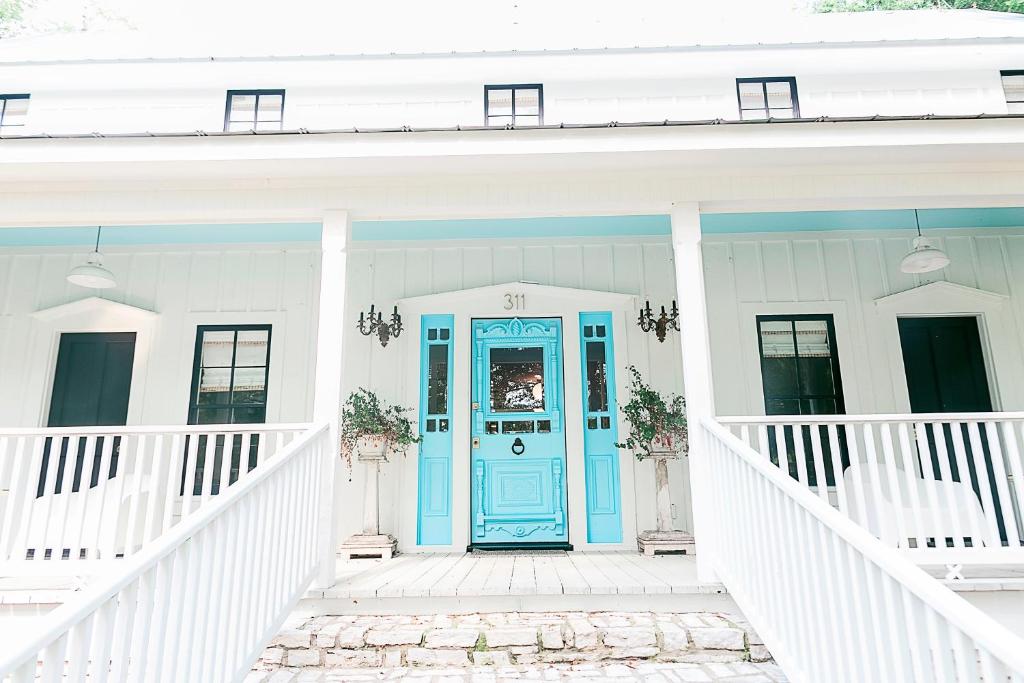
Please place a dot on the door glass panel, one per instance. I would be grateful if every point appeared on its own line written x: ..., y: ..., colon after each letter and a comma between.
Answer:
x: 517, y: 380
x: 597, y: 379
x: 517, y: 427
x: 437, y: 380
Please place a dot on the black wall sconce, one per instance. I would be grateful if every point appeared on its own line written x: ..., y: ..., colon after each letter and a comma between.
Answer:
x: 662, y: 323
x: 376, y: 325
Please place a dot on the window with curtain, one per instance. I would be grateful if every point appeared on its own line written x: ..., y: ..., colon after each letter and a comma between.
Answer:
x: 229, y: 386
x: 519, y: 105
x: 254, y: 110
x: 767, y: 98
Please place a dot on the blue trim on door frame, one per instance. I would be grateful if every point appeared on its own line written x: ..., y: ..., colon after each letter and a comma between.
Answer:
x: 600, y: 456
x: 434, y: 488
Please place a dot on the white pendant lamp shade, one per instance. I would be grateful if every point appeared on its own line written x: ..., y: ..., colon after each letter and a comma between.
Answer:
x: 92, y: 273
x: 924, y: 257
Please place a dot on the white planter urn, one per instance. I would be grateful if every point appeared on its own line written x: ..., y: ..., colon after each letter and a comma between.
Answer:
x: 371, y: 451
x: 664, y: 538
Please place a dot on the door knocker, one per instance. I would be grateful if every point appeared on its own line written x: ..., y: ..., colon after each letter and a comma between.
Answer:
x: 518, y: 447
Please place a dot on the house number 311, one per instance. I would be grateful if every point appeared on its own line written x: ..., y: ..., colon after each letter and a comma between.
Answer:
x: 515, y: 302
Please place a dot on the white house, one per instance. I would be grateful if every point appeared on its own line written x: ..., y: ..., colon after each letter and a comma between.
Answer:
x: 517, y: 209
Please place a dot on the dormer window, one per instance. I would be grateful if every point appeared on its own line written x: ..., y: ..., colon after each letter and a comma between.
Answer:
x: 1013, y: 88
x: 254, y: 110
x: 518, y: 105
x: 13, y: 112
x: 767, y: 98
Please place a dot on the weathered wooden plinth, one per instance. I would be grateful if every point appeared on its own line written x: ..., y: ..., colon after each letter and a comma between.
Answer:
x: 652, y: 542
x: 383, y: 546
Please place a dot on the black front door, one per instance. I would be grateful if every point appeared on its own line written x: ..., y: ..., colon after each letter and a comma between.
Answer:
x: 91, y: 385
x: 946, y: 374
x: 945, y: 366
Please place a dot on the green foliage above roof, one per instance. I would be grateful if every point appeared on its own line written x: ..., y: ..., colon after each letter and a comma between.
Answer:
x: 1015, y: 6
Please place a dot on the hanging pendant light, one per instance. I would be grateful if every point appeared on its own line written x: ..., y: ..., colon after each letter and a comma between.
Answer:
x: 92, y: 273
x: 923, y: 258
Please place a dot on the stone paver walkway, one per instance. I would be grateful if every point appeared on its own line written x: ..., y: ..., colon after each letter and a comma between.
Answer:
x: 619, y: 672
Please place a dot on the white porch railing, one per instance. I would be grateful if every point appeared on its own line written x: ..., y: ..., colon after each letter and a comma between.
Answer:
x: 944, y: 488
x: 202, y: 601
x: 831, y: 601
x: 98, y: 493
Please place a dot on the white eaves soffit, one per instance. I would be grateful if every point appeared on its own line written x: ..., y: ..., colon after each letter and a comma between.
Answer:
x: 725, y: 147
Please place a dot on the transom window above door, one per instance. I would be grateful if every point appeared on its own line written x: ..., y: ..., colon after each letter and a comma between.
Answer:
x: 229, y: 378
x: 799, y: 365
x: 254, y: 110
x: 518, y: 105
x: 767, y: 98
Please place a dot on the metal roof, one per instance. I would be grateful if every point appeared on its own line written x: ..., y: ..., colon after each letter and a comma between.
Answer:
x: 457, y: 27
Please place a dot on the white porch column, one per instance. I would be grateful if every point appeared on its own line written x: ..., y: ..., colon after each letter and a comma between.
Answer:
x: 327, y: 392
x: 696, y: 368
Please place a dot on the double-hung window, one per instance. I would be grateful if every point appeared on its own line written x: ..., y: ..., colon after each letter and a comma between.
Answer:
x: 13, y: 112
x: 767, y: 98
x: 229, y: 386
x: 800, y: 376
x: 517, y: 105
x: 254, y: 110
x: 1013, y: 88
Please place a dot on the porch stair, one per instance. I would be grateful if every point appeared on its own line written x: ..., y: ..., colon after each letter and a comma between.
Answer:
x: 504, y: 639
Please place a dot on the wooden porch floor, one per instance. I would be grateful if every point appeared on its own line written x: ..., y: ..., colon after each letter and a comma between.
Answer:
x: 497, y: 573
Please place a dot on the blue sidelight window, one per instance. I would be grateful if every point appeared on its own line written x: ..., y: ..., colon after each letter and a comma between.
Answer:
x: 600, y: 432
x: 434, y: 512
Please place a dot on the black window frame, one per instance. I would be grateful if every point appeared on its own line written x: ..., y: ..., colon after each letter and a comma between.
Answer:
x: 837, y: 376
x: 256, y: 109
x: 539, y: 87
x: 4, y: 99
x: 197, y: 359
x: 764, y: 81
x: 789, y: 432
x: 1003, y: 74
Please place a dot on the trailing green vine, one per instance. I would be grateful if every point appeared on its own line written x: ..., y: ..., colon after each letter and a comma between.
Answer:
x: 365, y: 414
x: 651, y: 415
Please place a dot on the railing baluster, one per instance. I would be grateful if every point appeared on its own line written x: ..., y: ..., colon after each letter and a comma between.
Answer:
x: 946, y: 474
x: 105, y: 521
x: 981, y: 470
x: 1002, y: 488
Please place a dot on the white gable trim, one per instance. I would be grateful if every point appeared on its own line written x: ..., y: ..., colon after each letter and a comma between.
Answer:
x: 94, y: 306
x: 944, y: 297
x: 547, y: 297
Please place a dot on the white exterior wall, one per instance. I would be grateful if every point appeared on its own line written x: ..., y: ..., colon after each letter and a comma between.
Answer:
x: 843, y: 273
x: 185, y: 286
x: 383, y: 272
x: 588, y: 87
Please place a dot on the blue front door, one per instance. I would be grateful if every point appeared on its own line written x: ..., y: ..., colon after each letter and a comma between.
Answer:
x: 518, y: 450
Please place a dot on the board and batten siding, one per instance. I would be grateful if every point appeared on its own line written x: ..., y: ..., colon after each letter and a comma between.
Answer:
x: 382, y: 272
x: 185, y: 286
x: 843, y: 273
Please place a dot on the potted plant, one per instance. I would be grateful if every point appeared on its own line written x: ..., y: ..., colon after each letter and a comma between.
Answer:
x: 657, y: 430
x: 371, y: 428
x: 657, y: 424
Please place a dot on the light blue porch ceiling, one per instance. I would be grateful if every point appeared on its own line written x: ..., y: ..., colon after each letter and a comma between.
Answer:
x: 890, y: 219
x: 116, y: 235
x: 477, y: 228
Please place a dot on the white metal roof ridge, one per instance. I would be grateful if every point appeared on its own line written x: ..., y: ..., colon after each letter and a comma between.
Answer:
x: 553, y: 126
x: 552, y: 31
